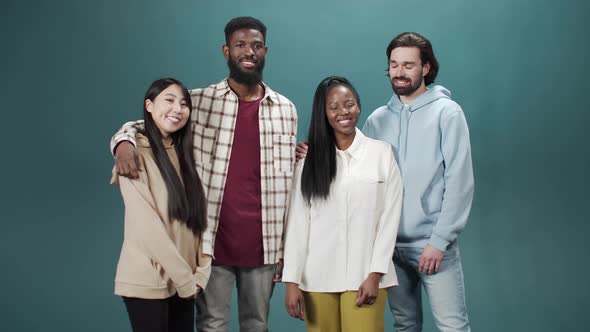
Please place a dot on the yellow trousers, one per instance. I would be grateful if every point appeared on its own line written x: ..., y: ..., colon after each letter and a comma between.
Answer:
x: 336, y: 312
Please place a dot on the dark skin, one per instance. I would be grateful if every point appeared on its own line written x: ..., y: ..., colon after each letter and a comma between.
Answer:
x: 340, y: 105
x: 246, y: 47
x: 367, y: 294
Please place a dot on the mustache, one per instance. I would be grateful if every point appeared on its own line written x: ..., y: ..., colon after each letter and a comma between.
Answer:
x: 400, y: 78
x: 249, y: 58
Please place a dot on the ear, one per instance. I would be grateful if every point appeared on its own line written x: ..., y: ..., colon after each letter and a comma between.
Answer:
x: 426, y: 69
x: 225, y: 51
x: 149, y: 105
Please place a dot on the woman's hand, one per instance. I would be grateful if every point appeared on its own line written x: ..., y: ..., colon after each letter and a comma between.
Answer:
x: 294, y: 300
x: 369, y: 289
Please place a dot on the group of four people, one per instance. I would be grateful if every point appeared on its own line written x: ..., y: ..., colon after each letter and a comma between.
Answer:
x: 214, y: 198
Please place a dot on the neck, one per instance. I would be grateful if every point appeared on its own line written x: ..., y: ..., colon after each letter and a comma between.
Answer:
x: 343, y: 142
x: 408, y: 100
x: 166, y: 140
x: 246, y: 92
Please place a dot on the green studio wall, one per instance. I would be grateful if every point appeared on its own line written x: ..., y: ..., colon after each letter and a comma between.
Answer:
x: 74, y: 71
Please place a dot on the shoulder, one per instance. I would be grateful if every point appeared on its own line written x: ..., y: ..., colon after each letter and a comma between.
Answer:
x: 378, y: 147
x: 208, y: 91
x: 278, y: 98
x: 378, y: 113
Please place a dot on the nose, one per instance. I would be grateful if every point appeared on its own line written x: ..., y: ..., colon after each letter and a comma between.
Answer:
x: 177, y: 107
x: 249, y: 50
x: 399, y: 71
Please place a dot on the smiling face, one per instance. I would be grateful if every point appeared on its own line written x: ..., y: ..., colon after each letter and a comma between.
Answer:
x: 245, y: 56
x: 407, y: 72
x: 342, y: 111
x: 169, y: 110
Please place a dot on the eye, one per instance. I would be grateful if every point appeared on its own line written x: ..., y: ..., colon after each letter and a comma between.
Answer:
x: 409, y: 66
x: 394, y: 65
x: 350, y: 105
x: 169, y: 100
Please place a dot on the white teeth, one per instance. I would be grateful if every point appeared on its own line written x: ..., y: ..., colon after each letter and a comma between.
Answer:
x: 172, y: 119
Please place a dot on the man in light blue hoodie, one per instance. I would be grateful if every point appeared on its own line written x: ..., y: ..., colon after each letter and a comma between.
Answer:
x: 430, y: 138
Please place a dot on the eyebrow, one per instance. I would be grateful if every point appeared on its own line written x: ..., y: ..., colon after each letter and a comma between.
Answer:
x: 404, y: 63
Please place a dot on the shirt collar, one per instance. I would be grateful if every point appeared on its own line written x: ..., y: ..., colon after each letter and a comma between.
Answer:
x: 224, y: 88
x: 356, y: 149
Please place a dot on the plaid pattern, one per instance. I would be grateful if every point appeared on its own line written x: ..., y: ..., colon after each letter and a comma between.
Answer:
x: 213, y: 119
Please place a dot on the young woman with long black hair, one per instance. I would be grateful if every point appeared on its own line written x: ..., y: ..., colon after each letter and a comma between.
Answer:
x: 342, y: 221
x: 161, y: 267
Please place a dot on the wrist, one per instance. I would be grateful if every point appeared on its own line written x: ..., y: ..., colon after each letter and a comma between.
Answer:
x: 375, y: 276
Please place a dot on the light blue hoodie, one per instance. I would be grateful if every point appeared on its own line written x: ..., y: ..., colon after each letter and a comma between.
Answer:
x: 430, y: 140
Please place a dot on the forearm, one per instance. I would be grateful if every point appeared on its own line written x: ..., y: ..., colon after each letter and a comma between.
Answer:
x: 126, y: 133
x: 459, y: 183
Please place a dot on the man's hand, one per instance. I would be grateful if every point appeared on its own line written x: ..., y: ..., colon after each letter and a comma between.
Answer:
x: 429, y: 261
x: 126, y: 160
x: 294, y: 300
x: 369, y: 289
x: 279, y: 272
x: 300, y: 150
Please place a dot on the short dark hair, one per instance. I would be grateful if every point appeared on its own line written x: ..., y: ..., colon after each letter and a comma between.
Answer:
x: 244, y: 22
x: 319, y: 169
x: 412, y: 39
x: 186, y: 197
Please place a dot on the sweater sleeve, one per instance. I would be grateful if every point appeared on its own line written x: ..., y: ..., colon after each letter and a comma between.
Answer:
x: 458, y: 176
x: 296, y: 232
x: 126, y: 133
x: 143, y: 218
x: 389, y: 219
x: 203, y: 271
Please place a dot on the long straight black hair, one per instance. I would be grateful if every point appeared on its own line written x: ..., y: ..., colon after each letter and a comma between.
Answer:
x: 319, y: 169
x: 186, y: 197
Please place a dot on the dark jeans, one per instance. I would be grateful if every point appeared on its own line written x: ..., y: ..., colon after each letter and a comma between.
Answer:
x: 173, y: 314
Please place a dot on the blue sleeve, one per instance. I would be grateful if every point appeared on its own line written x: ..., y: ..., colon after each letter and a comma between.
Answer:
x: 459, y: 183
x: 368, y: 128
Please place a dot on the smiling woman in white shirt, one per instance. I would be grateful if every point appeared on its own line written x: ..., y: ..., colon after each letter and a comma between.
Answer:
x: 342, y: 221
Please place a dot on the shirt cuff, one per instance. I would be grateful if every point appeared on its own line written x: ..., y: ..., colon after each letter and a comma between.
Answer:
x: 438, y: 242
x: 186, y: 290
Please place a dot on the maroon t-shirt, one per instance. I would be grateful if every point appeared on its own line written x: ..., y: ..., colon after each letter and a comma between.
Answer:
x: 239, y: 235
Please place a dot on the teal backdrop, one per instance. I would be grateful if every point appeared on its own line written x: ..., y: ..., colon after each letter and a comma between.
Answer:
x: 73, y: 71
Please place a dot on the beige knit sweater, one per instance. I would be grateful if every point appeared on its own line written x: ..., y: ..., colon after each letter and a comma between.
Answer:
x: 159, y: 257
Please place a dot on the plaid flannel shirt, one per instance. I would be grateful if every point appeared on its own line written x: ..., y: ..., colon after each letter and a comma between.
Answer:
x: 213, y: 121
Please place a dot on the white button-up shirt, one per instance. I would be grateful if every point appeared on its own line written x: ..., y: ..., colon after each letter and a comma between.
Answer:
x: 332, y: 245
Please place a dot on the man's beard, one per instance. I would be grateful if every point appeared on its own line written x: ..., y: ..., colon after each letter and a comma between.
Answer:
x: 246, y: 78
x: 406, y: 90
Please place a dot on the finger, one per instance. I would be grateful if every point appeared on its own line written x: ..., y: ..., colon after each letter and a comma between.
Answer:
x: 421, y: 262
x: 123, y: 169
x: 290, y: 310
x: 431, y: 267
x: 437, y: 265
x: 360, y: 298
x: 133, y: 170
x: 301, y: 309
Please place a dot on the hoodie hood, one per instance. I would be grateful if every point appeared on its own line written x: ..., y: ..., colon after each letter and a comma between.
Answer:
x: 432, y: 94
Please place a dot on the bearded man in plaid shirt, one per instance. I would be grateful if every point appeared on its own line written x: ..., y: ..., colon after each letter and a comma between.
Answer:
x: 244, y: 146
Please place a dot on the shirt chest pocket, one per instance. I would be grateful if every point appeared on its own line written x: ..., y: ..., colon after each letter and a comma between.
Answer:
x: 204, y: 140
x: 283, y: 152
x: 369, y: 190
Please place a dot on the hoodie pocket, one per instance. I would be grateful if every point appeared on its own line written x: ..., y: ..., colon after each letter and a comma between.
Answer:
x: 431, y: 199
x: 136, y: 268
